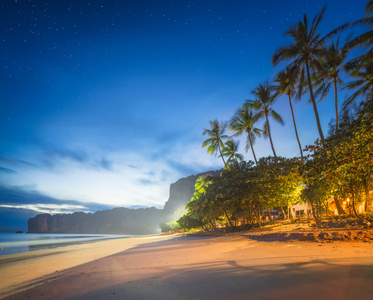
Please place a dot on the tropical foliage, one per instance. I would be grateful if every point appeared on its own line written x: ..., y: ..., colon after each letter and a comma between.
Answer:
x: 338, y: 166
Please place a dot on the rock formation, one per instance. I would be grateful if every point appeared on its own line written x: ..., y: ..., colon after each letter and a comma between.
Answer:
x: 119, y: 220
x: 181, y: 192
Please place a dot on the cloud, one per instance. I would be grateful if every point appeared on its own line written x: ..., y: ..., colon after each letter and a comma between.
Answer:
x: 53, y: 155
x: 63, y: 153
x: 49, y: 208
x: 181, y: 168
x: 144, y: 181
x: 106, y: 164
x: 20, y: 198
x: 19, y: 204
x: 6, y: 170
x: 15, y: 162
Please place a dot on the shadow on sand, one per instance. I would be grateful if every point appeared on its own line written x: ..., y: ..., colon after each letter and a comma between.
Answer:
x: 163, y: 270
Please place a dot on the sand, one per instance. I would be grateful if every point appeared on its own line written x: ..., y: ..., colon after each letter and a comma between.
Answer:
x: 225, y: 267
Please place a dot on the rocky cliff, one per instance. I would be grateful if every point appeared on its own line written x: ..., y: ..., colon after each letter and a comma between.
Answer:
x: 181, y: 192
x: 116, y: 221
x: 120, y: 220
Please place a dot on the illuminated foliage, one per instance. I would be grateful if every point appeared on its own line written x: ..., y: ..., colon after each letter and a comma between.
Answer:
x: 243, y: 190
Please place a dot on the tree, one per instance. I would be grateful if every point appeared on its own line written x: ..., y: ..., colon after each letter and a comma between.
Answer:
x: 278, y: 183
x: 187, y: 222
x: 332, y: 60
x: 363, y: 84
x: 303, y: 53
x: 216, y: 137
x: 265, y: 95
x: 363, y: 40
x: 286, y: 85
x: 343, y: 166
x: 230, y: 151
x: 244, y: 121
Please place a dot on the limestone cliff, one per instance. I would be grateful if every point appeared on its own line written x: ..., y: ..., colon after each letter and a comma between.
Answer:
x: 116, y: 221
x: 120, y: 220
x: 181, y: 192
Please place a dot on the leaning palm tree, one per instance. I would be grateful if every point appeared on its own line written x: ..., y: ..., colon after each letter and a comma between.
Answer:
x: 286, y: 85
x: 332, y: 60
x: 216, y: 137
x: 244, y: 121
x: 265, y: 96
x: 363, y: 84
x: 230, y: 151
x: 303, y: 53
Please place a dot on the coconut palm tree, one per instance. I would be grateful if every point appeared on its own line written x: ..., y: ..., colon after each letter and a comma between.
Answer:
x: 363, y: 84
x: 216, y: 137
x: 303, y: 53
x: 286, y: 85
x: 244, y: 121
x: 332, y: 60
x: 230, y: 151
x: 363, y: 40
x: 265, y: 96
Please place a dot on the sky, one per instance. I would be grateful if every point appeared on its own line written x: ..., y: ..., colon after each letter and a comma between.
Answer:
x: 103, y: 103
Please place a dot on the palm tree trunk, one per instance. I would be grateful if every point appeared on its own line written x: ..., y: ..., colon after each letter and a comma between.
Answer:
x: 314, y: 103
x: 336, y: 106
x: 295, y: 128
x: 222, y: 157
x: 270, y: 137
x: 251, y: 146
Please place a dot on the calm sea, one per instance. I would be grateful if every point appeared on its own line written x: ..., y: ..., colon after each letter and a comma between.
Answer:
x: 23, y: 242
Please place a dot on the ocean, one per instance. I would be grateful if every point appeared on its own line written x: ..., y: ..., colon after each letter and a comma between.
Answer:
x: 11, y: 242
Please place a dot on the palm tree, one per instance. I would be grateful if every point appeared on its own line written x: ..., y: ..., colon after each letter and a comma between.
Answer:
x: 332, y: 60
x: 286, y: 85
x: 230, y: 151
x: 303, y: 52
x: 265, y: 95
x: 243, y: 121
x: 364, y: 84
x: 215, y: 140
x: 363, y: 40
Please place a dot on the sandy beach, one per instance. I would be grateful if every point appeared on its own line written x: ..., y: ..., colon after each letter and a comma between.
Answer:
x: 173, y: 267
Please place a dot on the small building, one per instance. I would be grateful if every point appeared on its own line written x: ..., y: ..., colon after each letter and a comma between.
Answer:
x: 301, y: 210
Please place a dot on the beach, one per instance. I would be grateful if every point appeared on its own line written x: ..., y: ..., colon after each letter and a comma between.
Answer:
x: 230, y: 266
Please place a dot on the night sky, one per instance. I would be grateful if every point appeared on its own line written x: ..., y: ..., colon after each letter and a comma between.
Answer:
x: 103, y: 103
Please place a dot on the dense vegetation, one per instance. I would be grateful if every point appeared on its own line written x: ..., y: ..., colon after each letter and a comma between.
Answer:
x: 338, y: 166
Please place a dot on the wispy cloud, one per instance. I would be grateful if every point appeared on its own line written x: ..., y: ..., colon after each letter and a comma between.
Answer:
x: 53, y: 155
x: 23, y: 198
x: 6, y: 170
x: 49, y: 208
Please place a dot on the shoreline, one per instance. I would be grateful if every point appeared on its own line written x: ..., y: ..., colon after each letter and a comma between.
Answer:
x: 19, y: 271
x: 190, y: 267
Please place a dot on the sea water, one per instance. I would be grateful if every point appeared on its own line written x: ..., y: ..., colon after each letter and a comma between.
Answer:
x: 11, y: 243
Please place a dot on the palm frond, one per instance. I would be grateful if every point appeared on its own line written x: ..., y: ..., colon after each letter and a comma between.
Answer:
x: 277, y: 117
x: 369, y: 8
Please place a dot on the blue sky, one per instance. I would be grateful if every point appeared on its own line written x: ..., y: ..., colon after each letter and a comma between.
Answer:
x: 104, y: 102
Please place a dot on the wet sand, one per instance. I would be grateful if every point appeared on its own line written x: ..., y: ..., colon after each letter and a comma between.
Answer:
x: 225, y: 267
